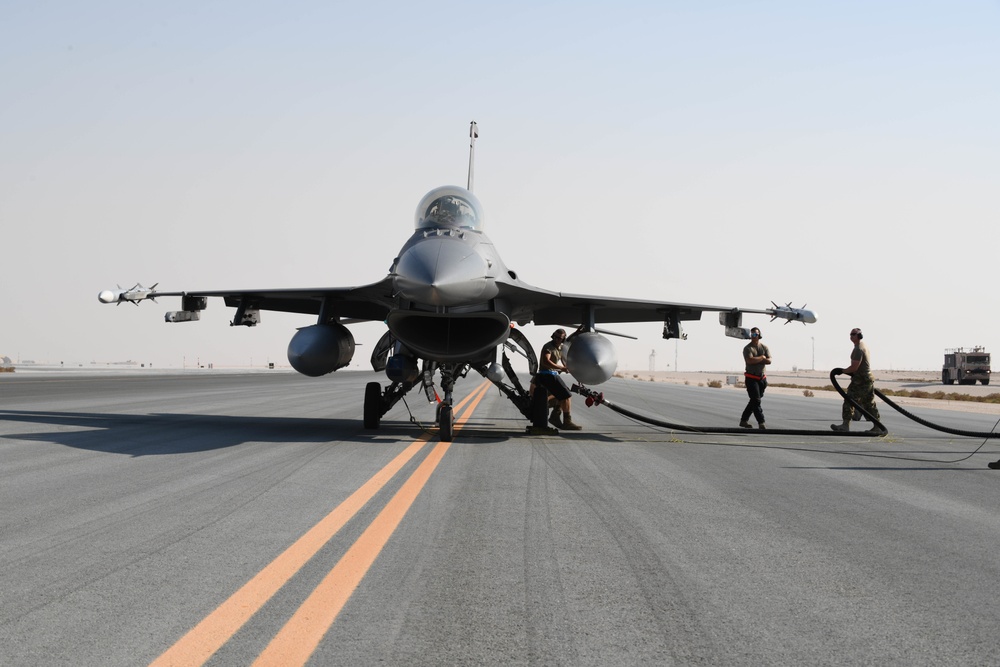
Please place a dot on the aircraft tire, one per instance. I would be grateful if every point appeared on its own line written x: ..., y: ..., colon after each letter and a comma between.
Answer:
x: 373, y: 405
x: 446, y: 423
x: 539, y: 407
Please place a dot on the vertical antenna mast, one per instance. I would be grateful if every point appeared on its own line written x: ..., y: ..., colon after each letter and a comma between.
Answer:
x: 473, y: 135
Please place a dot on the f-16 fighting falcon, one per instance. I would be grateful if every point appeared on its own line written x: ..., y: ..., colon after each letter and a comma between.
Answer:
x: 450, y: 305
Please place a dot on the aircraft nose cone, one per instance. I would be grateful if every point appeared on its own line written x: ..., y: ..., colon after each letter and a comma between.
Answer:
x: 443, y: 271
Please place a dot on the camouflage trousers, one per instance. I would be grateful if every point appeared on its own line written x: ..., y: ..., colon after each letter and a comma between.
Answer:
x: 861, y: 390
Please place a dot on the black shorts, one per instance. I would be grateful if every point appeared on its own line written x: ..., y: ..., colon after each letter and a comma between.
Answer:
x: 553, y: 384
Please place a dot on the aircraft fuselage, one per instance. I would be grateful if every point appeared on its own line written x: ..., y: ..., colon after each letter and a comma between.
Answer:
x: 445, y: 282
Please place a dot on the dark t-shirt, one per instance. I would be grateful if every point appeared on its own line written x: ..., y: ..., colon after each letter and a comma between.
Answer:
x: 757, y: 350
x: 555, y: 354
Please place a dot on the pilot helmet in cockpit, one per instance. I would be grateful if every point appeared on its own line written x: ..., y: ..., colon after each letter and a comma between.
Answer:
x: 448, y: 211
x: 449, y: 206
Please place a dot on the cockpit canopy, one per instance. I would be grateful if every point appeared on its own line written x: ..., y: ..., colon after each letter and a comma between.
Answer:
x: 449, y: 206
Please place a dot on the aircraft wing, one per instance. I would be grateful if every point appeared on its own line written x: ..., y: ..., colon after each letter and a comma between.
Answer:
x: 363, y: 303
x: 545, y: 307
x: 374, y: 302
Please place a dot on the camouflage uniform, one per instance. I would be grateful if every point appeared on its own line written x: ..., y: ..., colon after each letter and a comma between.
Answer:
x: 862, y: 387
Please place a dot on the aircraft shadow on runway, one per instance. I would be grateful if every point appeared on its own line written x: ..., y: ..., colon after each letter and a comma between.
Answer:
x: 159, y: 434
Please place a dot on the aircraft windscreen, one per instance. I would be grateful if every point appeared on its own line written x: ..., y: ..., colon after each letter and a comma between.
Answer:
x: 449, y: 206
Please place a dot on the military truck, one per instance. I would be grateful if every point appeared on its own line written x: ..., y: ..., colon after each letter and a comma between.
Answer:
x: 966, y: 367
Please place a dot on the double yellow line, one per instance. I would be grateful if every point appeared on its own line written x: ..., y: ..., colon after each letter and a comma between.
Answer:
x: 300, y: 636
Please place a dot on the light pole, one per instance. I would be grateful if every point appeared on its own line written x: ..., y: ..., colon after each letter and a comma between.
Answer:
x: 813, y: 338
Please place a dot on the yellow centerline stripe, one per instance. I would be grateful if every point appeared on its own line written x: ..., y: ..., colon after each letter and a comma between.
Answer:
x: 298, y: 639
x: 198, y: 645
x: 203, y: 640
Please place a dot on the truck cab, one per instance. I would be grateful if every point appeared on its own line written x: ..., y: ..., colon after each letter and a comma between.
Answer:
x: 966, y: 367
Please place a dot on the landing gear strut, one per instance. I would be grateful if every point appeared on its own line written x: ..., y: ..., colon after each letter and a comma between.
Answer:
x: 379, y: 402
x: 515, y: 392
x: 445, y: 413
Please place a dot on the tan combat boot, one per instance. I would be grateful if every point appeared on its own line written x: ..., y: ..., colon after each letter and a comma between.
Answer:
x: 569, y: 424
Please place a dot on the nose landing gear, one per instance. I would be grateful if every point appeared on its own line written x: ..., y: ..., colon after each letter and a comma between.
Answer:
x: 446, y: 422
x: 445, y: 411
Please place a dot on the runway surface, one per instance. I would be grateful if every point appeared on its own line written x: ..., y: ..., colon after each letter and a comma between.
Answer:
x: 203, y: 518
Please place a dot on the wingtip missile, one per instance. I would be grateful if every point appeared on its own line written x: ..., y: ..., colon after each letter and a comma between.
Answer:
x: 790, y: 314
x: 134, y: 294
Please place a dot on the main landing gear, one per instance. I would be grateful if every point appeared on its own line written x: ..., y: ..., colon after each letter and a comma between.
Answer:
x: 373, y: 404
x: 378, y: 401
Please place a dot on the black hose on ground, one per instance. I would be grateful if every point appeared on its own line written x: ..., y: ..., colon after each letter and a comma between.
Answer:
x: 597, y: 398
x: 878, y: 430
x: 937, y: 427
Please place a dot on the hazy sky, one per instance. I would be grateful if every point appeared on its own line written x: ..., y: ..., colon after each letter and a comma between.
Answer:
x: 841, y: 154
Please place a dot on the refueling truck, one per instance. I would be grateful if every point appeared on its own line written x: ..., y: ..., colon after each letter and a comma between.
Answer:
x: 966, y: 367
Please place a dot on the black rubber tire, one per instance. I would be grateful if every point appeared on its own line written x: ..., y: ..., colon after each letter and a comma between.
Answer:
x: 373, y: 405
x: 446, y: 423
x: 539, y: 407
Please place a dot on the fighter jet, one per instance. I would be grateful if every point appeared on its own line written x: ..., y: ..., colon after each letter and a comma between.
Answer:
x: 450, y: 305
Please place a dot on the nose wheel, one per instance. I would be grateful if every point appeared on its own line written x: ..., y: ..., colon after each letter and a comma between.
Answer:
x: 445, y: 412
x: 446, y: 422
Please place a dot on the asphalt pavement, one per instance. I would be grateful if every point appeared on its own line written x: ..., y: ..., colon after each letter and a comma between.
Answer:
x: 221, y: 519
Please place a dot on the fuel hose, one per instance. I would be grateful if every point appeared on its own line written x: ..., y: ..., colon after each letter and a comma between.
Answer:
x: 594, y: 398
